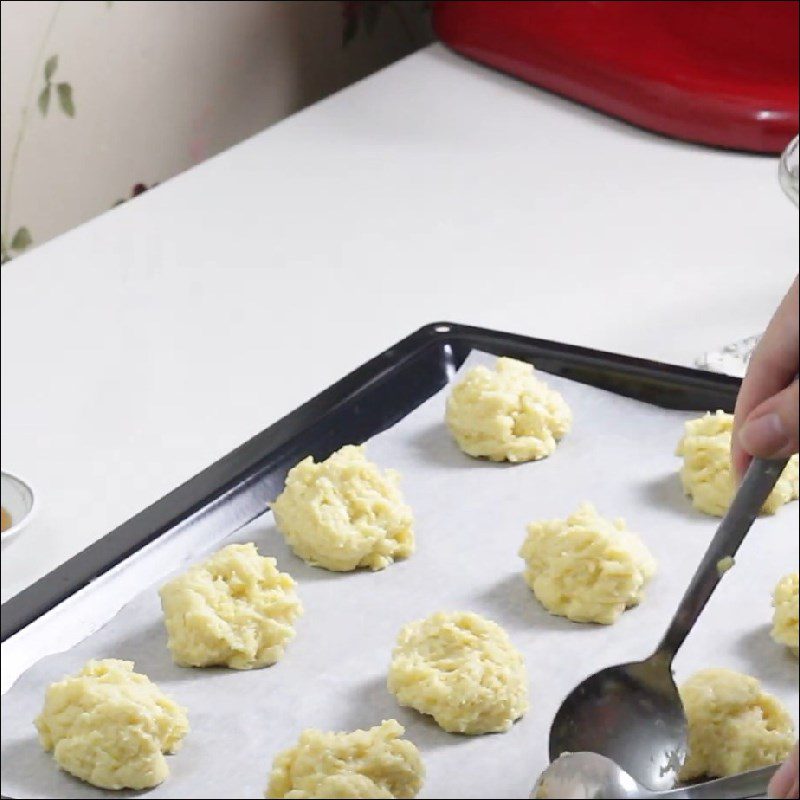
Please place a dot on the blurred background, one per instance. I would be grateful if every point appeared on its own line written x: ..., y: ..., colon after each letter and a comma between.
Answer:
x: 101, y: 100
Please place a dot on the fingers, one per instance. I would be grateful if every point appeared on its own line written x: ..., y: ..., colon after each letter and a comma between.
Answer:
x: 772, y: 366
x: 784, y: 783
x: 771, y: 429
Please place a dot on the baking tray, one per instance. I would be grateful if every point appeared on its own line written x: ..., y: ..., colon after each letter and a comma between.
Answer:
x: 77, y: 598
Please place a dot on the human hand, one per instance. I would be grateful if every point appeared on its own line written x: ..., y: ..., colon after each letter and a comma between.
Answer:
x: 784, y: 782
x: 766, y: 425
x: 766, y: 418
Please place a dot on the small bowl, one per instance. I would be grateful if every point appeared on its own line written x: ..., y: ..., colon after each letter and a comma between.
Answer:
x: 789, y: 173
x: 18, y: 500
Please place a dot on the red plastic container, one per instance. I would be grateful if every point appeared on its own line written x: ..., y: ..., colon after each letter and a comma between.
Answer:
x: 720, y: 73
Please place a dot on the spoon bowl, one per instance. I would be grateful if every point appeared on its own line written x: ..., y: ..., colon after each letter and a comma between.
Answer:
x: 631, y: 713
x: 584, y: 775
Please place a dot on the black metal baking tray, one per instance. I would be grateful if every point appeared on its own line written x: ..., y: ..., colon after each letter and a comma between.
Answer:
x: 360, y: 405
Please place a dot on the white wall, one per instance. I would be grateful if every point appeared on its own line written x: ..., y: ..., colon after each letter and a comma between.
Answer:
x: 160, y: 86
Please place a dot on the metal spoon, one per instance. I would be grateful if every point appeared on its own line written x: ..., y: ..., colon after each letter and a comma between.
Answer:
x: 588, y: 775
x: 632, y: 713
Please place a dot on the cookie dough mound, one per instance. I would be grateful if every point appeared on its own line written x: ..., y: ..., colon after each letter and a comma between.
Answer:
x: 507, y: 414
x: 585, y: 567
x: 344, y: 513
x: 707, y: 476
x: 785, y: 617
x: 462, y: 670
x: 234, y: 610
x: 734, y: 725
x: 373, y: 763
x: 111, y: 726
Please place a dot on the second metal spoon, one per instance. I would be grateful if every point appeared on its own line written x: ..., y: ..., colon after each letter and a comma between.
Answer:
x: 588, y: 775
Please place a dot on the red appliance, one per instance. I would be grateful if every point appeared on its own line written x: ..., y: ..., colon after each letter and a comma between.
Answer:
x: 720, y: 73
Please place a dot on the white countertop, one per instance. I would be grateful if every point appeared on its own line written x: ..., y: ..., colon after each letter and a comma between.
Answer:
x: 144, y: 345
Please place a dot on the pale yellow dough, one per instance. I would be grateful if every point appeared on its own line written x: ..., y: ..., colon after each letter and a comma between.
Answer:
x: 462, y: 670
x: 344, y: 513
x: 375, y: 763
x: 235, y: 609
x: 706, y: 474
x: 734, y: 725
x: 785, y: 616
x: 585, y: 567
x: 111, y: 726
x: 506, y: 414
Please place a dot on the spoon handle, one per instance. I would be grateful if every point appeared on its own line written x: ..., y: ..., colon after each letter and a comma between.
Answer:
x: 758, y: 482
x: 746, y: 784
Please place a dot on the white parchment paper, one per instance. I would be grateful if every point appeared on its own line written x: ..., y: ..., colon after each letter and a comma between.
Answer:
x: 470, y: 522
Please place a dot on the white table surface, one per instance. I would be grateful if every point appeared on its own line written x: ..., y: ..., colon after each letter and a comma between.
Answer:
x: 142, y: 346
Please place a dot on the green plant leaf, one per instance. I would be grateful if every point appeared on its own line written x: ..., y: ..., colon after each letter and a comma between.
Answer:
x: 65, y: 99
x: 44, y: 99
x: 21, y: 239
x: 50, y: 66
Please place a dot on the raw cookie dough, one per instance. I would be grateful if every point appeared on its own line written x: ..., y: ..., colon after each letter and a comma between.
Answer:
x: 462, y: 670
x: 706, y: 474
x: 785, y: 617
x: 374, y: 763
x: 111, y: 726
x: 344, y: 513
x: 734, y: 725
x: 235, y: 609
x: 585, y: 567
x: 507, y: 414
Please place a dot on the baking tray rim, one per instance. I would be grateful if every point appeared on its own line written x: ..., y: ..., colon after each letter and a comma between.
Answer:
x: 235, y: 470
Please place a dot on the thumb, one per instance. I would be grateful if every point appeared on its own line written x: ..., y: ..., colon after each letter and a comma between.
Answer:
x: 784, y: 782
x: 771, y: 429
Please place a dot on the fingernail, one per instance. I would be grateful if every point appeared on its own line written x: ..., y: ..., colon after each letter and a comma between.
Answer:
x: 782, y: 780
x: 764, y: 436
